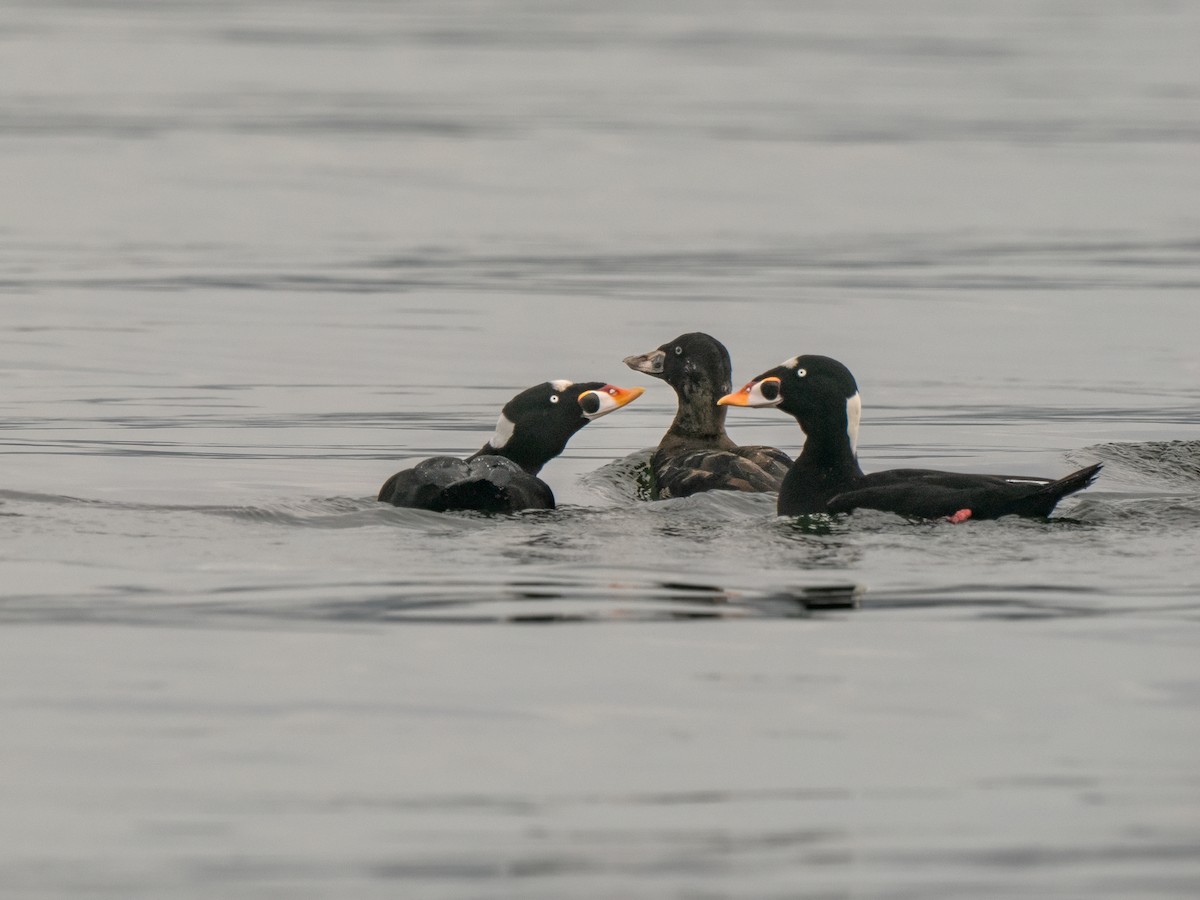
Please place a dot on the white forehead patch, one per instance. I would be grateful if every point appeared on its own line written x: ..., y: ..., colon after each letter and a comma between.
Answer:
x: 791, y: 363
x: 504, y: 431
x: 561, y: 385
x: 853, y: 416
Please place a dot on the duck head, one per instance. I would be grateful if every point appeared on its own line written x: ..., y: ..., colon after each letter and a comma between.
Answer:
x: 535, y: 425
x: 818, y: 391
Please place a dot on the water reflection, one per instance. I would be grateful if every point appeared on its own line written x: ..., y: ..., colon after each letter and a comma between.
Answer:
x: 548, y: 601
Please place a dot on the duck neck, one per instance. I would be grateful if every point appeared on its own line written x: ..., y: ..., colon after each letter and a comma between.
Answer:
x: 828, y: 448
x: 826, y: 466
x: 698, y: 415
x: 526, y: 457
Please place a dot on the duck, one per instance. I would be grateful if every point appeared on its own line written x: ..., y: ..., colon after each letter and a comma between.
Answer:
x: 696, y: 454
x: 501, y: 477
x: 823, y: 396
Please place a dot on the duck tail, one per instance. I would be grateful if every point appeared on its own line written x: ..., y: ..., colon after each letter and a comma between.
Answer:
x: 1076, y: 481
x: 1047, y: 496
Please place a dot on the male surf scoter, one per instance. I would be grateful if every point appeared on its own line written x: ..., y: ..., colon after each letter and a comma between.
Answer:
x: 696, y: 454
x: 823, y: 396
x: 501, y: 476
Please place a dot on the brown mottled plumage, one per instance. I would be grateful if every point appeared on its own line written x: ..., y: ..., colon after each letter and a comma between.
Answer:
x: 696, y: 454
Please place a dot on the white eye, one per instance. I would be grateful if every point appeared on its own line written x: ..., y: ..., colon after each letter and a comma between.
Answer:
x: 554, y: 398
x: 800, y: 373
x: 679, y: 351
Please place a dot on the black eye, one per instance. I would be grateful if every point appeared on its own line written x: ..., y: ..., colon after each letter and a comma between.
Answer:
x: 800, y: 373
x: 590, y: 403
x: 769, y: 390
x: 554, y: 398
x: 679, y: 351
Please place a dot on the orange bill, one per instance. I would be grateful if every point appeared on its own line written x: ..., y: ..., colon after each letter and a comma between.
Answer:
x: 752, y: 394
x: 607, y: 399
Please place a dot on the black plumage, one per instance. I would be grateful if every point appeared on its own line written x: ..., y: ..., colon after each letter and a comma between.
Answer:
x: 501, y: 476
x: 481, y: 483
x: 696, y: 454
x: 822, y: 395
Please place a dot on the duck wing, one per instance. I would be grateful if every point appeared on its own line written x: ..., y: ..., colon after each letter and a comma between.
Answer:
x: 930, y: 494
x: 775, y: 463
x: 483, y: 484
x: 496, y: 484
x: 419, y: 486
x: 751, y: 469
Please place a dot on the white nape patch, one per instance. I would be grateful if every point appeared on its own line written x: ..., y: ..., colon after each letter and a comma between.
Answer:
x: 853, y: 417
x: 791, y: 363
x: 561, y: 385
x: 504, y: 431
x: 1027, y: 480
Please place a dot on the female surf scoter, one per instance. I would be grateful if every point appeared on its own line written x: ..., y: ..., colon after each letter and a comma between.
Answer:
x: 823, y: 396
x: 501, y: 476
x: 696, y: 454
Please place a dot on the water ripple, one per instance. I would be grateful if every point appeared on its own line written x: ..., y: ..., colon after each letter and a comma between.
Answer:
x: 926, y: 263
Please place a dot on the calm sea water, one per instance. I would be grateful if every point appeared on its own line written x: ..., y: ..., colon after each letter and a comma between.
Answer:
x: 257, y: 256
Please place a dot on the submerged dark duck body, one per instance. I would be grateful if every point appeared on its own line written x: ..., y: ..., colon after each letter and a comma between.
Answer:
x: 823, y: 396
x: 696, y: 454
x: 501, y: 476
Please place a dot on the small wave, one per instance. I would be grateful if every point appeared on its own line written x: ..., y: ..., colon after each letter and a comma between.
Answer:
x: 1150, y: 462
x: 624, y: 480
x: 315, y: 512
x: 1144, y: 511
x: 718, y: 506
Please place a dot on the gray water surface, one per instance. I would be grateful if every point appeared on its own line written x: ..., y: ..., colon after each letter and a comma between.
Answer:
x: 257, y: 256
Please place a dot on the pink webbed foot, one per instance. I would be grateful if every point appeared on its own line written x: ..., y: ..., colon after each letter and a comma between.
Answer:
x: 961, y: 516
